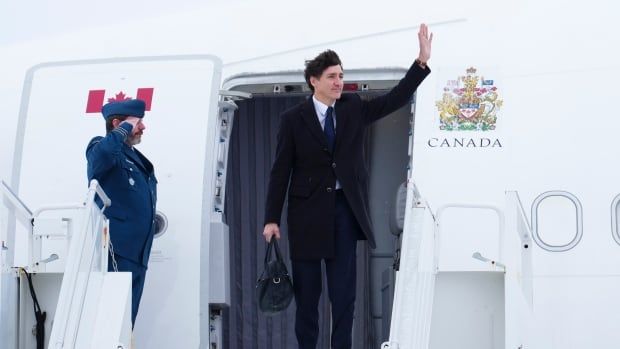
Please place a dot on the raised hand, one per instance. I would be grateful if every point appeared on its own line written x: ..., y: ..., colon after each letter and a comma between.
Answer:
x: 133, y: 121
x: 425, y: 40
x: 138, y: 126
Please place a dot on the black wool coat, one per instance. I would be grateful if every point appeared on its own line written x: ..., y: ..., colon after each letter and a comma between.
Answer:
x: 304, y: 165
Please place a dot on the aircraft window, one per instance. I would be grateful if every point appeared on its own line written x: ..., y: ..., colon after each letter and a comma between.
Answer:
x: 614, y: 219
x: 537, y: 226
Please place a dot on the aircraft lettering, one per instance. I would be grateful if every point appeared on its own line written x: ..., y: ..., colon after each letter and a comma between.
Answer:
x: 464, y: 143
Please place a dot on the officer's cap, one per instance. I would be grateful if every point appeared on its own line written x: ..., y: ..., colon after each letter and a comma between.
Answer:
x: 129, y: 107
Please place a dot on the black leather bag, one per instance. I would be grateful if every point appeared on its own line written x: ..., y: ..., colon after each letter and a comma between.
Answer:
x: 274, y: 288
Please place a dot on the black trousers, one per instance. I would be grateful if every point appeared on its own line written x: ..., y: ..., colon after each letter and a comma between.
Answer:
x: 340, y: 284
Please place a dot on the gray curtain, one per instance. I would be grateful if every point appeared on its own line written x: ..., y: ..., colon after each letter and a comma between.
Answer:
x: 251, y: 153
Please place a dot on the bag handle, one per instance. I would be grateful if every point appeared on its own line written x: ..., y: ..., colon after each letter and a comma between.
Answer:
x: 273, y: 242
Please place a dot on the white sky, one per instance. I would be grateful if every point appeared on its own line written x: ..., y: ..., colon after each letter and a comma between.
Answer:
x: 33, y: 20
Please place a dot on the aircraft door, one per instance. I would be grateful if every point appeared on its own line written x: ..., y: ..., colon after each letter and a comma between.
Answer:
x: 61, y: 112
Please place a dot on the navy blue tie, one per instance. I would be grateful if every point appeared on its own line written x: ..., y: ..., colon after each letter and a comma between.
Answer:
x: 330, y: 133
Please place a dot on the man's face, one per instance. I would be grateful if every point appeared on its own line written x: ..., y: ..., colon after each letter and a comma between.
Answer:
x: 328, y: 87
x: 136, y: 133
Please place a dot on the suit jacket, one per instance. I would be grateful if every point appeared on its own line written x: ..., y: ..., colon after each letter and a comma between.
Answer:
x: 129, y: 180
x: 305, y: 166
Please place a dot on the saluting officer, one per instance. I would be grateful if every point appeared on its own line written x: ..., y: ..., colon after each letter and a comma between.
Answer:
x: 128, y: 178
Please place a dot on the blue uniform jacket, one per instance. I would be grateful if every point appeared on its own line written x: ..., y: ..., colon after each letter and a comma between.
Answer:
x: 128, y: 178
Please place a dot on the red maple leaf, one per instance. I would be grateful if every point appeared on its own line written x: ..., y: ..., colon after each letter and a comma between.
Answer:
x: 119, y: 97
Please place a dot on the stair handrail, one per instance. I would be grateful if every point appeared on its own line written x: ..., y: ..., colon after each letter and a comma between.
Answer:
x: 94, y: 226
x: 527, y: 235
x: 416, y: 274
x: 28, y: 218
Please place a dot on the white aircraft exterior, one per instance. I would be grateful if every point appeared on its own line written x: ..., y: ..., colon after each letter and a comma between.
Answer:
x: 511, y: 234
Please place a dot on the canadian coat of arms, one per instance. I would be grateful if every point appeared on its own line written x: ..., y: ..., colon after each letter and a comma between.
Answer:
x: 469, y: 103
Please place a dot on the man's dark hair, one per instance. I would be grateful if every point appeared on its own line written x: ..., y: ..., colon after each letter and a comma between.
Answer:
x: 108, y: 122
x: 317, y: 66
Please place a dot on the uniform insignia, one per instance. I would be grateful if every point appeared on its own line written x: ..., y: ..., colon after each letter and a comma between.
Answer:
x: 129, y: 161
x: 469, y: 103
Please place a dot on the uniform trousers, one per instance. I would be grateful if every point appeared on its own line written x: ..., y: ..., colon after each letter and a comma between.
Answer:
x: 138, y: 274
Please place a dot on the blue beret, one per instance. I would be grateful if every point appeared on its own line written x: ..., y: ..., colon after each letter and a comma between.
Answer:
x: 129, y: 107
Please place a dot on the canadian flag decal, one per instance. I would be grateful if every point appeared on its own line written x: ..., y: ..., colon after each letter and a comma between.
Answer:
x: 96, y: 98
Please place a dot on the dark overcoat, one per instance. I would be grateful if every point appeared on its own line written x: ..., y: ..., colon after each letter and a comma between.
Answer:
x: 303, y: 159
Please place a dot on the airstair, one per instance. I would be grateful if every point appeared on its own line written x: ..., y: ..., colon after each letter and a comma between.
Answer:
x: 84, y: 305
x: 484, y: 302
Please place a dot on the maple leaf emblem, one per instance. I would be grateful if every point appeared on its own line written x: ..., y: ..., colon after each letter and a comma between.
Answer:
x: 119, y: 97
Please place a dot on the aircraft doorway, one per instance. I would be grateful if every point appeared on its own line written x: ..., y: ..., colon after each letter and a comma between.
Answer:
x: 251, y: 153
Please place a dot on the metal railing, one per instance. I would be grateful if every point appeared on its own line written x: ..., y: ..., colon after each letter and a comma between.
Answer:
x: 87, y: 255
x: 415, y: 279
x: 415, y: 284
x: 32, y: 220
x: 524, y: 232
x: 524, y: 228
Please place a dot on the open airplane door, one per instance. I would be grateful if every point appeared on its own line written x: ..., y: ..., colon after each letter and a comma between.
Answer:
x: 60, y: 113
